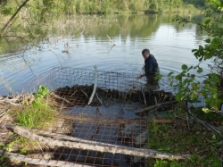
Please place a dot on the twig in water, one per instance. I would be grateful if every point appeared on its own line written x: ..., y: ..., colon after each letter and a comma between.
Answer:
x: 98, y: 111
x: 84, y: 93
x: 111, y: 40
x: 74, y: 93
x: 96, y: 132
x: 99, y: 99
x: 95, y: 85
x: 110, y: 49
x: 61, y: 98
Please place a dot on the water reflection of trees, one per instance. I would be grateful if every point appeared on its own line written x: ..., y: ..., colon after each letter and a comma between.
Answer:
x: 31, y: 33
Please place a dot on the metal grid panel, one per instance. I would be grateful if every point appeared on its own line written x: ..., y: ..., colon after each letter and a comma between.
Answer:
x: 109, y: 119
x: 67, y: 76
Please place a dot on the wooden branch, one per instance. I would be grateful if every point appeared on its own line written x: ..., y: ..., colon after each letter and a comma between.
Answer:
x: 99, y: 99
x: 84, y: 93
x: 115, y: 121
x: 102, y: 147
x: 16, y: 99
x: 95, y: 85
x: 208, y: 126
x: 68, y: 138
x: 153, y: 107
x: 58, y: 97
x: 13, y: 16
x: 35, y: 161
x: 111, y: 40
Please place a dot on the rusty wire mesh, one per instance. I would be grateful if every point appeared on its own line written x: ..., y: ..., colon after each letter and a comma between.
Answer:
x: 111, y: 118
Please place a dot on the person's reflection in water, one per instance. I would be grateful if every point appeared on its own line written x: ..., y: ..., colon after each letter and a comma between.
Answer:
x: 151, y: 70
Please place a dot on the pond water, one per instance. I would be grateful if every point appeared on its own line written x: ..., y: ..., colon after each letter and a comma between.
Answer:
x: 83, y: 41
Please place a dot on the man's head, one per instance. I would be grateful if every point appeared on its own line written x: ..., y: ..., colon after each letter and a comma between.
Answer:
x: 145, y: 53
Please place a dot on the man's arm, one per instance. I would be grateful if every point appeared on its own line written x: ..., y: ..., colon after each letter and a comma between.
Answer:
x: 148, y: 70
x: 141, y: 75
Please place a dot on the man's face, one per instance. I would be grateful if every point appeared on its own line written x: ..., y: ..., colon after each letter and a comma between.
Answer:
x: 145, y: 55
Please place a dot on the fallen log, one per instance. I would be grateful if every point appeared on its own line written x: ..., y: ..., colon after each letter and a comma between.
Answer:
x: 35, y: 161
x: 102, y: 147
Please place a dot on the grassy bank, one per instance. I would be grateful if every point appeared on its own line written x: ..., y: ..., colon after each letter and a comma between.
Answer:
x: 34, y: 112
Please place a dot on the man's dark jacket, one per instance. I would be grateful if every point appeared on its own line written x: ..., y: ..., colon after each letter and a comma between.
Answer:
x: 151, y: 65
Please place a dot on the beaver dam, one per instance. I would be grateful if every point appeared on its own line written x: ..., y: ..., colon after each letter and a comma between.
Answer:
x: 102, y: 120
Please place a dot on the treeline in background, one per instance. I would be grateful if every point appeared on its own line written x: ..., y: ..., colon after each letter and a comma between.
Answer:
x: 101, y: 6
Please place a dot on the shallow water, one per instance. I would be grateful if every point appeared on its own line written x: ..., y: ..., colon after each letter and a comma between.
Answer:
x: 170, y: 43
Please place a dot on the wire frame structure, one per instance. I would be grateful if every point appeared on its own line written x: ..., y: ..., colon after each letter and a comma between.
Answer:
x: 111, y: 117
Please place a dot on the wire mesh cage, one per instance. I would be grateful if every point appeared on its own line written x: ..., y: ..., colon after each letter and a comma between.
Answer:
x: 113, y: 117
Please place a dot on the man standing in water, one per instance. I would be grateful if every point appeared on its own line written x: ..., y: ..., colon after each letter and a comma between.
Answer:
x: 151, y: 70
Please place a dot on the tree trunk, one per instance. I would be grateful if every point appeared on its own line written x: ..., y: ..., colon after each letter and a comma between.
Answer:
x: 13, y: 16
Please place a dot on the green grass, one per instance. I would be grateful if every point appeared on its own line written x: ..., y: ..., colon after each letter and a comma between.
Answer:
x: 36, y: 116
x: 178, y: 138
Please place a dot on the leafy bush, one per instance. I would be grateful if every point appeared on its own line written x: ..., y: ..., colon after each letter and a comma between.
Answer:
x: 190, y: 86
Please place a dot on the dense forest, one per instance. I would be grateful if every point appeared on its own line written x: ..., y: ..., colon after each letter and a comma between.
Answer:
x: 100, y: 6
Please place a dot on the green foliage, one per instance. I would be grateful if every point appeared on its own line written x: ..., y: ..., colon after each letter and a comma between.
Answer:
x: 39, y: 113
x: 158, y: 77
x: 213, y: 162
x: 198, y: 3
x: 179, y: 139
x: 35, y: 117
x: 190, y: 86
x: 161, y: 163
x: 42, y: 92
x: 2, y: 158
x: 43, y: 7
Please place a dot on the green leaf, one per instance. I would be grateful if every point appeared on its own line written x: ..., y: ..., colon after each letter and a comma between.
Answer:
x: 170, y: 73
x: 194, y: 50
x: 207, y: 21
x: 178, y: 96
x: 184, y: 67
x: 215, y: 96
x: 208, y: 40
x: 200, y: 70
x: 216, y: 42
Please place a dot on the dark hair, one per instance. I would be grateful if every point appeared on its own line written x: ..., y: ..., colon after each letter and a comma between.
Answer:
x: 145, y: 51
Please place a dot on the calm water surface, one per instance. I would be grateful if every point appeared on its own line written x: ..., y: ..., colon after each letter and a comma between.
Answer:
x: 170, y: 43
